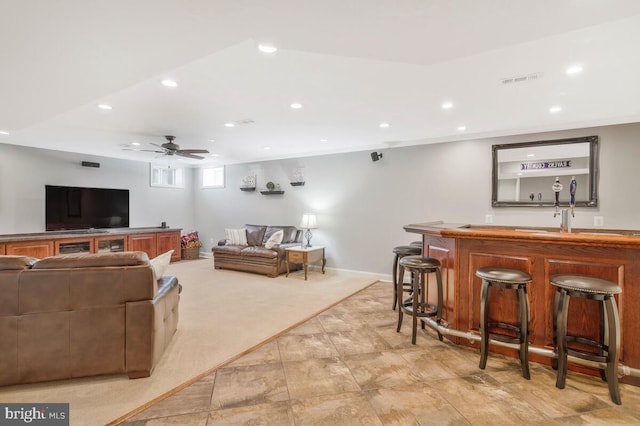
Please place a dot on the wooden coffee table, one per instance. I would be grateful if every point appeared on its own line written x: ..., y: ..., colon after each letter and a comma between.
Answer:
x: 305, y: 255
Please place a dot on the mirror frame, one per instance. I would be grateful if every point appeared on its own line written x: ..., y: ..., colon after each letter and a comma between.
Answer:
x: 593, y: 172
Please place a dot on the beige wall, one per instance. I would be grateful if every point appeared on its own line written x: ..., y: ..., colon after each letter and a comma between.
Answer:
x: 361, y: 205
x: 24, y: 172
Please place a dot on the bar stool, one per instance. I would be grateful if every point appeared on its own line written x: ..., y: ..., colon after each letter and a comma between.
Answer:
x: 419, y: 307
x: 400, y: 252
x: 591, y: 288
x: 510, y: 279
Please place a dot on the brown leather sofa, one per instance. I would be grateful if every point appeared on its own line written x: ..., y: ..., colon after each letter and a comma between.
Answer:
x: 82, y: 315
x: 255, y: 257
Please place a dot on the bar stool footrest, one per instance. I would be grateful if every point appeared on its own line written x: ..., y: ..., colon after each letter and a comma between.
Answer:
x: 431, y: 311
x: 504, y: 338
x: 588, y: 357
x: 587, y: 342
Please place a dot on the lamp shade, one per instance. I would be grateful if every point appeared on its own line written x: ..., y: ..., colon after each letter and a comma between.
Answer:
x: 308, y: 221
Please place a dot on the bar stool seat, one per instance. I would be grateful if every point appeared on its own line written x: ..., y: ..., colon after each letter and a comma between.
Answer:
x: 510, y: 279
x: 607, y: 346
x: 400, y: 252
x: 419, y: 307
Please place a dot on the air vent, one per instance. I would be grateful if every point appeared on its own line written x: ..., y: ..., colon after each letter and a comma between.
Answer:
x: 245, y: 121
x: 522, y: 78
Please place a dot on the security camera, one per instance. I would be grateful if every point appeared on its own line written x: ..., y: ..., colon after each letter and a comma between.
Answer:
x: 375, y: 156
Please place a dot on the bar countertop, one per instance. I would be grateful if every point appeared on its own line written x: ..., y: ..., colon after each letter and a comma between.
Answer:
x: 577, y: 236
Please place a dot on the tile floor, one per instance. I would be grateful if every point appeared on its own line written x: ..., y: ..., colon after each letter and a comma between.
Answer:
x: 348, y: 366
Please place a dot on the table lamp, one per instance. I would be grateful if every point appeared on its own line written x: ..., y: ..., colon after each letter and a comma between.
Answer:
x: 308, y: 222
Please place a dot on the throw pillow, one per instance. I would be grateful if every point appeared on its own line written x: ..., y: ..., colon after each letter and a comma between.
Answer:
x: 160, y: 264
x: 236, y: 237
x: 274, y: 239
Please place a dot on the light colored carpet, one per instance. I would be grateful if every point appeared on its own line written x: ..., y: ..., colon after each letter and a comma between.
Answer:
x: 222, y: 314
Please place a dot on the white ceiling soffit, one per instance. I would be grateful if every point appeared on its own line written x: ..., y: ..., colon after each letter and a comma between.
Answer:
x: 352, y: 65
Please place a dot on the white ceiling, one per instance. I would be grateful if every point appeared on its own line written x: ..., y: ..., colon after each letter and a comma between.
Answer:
x: 352, y: 63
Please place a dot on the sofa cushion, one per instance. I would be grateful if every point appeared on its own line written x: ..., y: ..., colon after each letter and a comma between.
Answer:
x: 235, y: 250
x: 160, y: 264
x: 289, y: 233
x: 88, y: 260
x: 255, y: 234
x: 12, y: 263
x: 258, y: 251
x: 236, y: 237
x: 274, y: 239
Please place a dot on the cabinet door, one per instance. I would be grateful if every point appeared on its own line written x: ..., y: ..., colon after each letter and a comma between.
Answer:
x: 144, y: 242
x: 73, y: 245
x: 110, y: 244
x: 169, y: 241
x: 37, y: 249
x: 2, y: 249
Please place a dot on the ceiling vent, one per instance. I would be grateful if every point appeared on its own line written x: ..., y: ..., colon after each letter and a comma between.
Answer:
x: 522, y: 78
x: 242, y: 122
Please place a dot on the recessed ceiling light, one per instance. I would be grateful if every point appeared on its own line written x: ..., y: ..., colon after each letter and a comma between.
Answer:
x: 296, y: 105
x: 267, y: 48
x: 383, y: 125
x: 447, y: 105
x: 555, y: 109
x: 266, y: 148
x: 105, y: 107
x: 324, y: 140
x: 531, y: 155
x: 575, y: 69
x: 3, y: 132
x: 169, y: 83
x: 211, y: 140
x: 135, y: 143
x: 215, y: 155
x: 229, y: 125
x: 462, y: 128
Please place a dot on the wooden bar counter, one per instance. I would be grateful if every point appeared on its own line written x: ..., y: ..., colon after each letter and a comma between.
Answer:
x: 613, y: 255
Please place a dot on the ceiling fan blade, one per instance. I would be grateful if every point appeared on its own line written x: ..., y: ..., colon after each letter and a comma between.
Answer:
x: 193, y: 151
x: 143, y: 150
x: 188, y: 155
x: 155, y: 144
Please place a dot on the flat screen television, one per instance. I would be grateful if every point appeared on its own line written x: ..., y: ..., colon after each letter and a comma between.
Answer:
x: 70, y: 207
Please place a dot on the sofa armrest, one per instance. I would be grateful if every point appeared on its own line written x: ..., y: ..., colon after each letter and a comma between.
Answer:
x: 150, y: 324
x: 165, y: 285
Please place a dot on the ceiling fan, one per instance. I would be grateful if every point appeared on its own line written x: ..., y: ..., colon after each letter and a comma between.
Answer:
x: 170, y: 148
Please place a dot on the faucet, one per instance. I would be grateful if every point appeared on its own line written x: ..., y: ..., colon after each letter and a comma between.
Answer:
x: 565, y: 221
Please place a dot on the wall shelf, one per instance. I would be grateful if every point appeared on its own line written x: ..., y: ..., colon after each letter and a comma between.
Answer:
x: 297, y: 183
x: 272, y: 192
x: 243, y: 188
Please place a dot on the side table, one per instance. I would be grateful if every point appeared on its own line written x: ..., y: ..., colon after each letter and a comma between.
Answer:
x: 305, y: 255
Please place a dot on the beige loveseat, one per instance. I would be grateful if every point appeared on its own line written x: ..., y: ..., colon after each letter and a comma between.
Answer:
x: 83, y: 315
x: 254, y: 256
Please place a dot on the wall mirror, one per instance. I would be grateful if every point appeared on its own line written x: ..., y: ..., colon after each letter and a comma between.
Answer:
x: 524, y: 173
